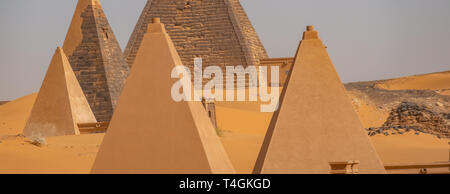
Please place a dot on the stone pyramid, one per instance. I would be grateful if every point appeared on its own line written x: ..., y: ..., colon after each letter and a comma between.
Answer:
x: 150, y: 132
x: 60, y: 104
x: 96, y: 58
x: 218, y: 31
x: 316, y: 123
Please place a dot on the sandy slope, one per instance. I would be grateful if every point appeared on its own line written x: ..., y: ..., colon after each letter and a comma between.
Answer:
x: 71, y: 154
x: 61, y: 155
x: 433, y: 81
x: 370, y: 115
x: 445, y: 92
x: 243, y: 149
x: 243, y: 129
x: 13, y: 115
x: 411, y: 148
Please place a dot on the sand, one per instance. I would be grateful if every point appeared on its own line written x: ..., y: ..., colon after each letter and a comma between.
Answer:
x: 60, y: 155
x: 411, y: 148
x: 14, y: 115
x: 368, y: 113
x: 241, y: 126
x: 433, y: 81
x: 445, y: 92
x: 70, y: 154
x: 242, y: 129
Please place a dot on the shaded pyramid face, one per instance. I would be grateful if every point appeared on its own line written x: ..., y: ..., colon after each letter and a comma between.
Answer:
x: 218, y: 31
x: 60, y: 104
x: 96, y: 58
x: 316, y: 123
x: 150, y: 132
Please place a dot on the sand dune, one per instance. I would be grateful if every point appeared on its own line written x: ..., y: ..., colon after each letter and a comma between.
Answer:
x: 14, y: 115
x: 370, y: 115
x: 445, y: 92
x: 433, y: 81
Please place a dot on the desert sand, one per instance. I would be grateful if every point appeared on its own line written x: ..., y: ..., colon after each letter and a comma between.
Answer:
x: 368, y: 113
x: 445, y: 92
x: 60, y: 155
x: 14, y: 115
x: 433, y: 81
x: 241, y: 127
x: 69, y: 154
x: 243, y: 142
x: 411, y: 148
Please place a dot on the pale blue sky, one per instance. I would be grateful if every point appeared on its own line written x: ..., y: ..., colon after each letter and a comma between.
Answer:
x: 366, y: 39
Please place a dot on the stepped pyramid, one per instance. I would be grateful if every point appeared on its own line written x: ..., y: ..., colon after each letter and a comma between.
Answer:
x: 316, y: 123
x: 150, y: 132
x: 218, y: 31
x: 60, y: 104
x: 96, y: 58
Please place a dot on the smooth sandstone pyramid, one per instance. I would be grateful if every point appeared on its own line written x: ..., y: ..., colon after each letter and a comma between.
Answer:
x: 150, y: 132
x: 316, y: 123
x: 218, y: 31
x: 96, y: 58
x: 60, y: 104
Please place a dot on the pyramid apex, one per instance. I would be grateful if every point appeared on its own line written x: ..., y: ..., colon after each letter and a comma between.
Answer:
x: 59, y: 50
x: 310, y: 33
x: 90, y: 2
x: 156, y: 20
x: 84, y: 44
x: 156, y: 26
x: 84, y: 3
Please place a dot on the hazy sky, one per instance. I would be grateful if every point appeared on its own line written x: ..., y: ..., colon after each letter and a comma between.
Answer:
x: 366, y: 39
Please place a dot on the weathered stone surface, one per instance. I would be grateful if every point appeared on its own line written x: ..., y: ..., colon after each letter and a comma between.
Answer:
x: 411, y: 115
x: 218, y: 31
x: 96, y: 58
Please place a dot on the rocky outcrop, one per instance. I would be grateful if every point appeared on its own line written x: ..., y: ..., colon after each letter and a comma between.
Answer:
x: 410, y: 116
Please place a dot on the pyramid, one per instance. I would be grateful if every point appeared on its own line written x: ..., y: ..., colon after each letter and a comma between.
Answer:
x: 60, y: 104
x: 96, y: 58
x: 316, y: 123
x: 218, y: 31
x: 150, y: 132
